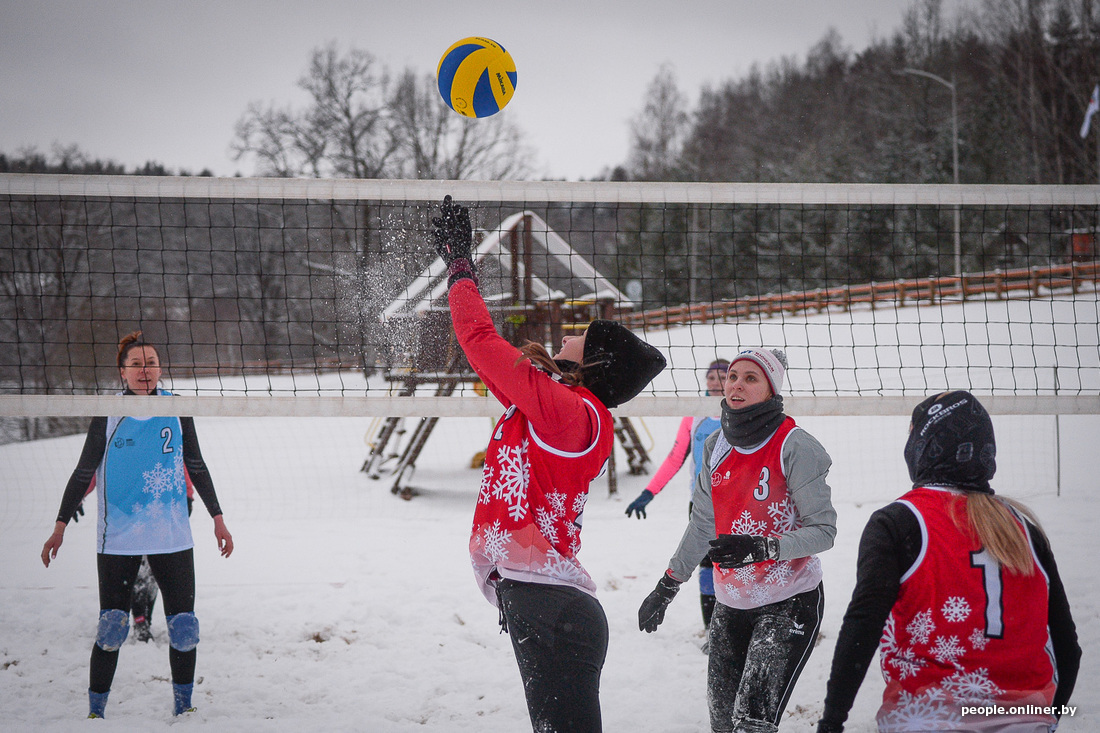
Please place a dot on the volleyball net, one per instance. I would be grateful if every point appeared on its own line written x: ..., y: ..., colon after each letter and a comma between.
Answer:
x: 325, y: 297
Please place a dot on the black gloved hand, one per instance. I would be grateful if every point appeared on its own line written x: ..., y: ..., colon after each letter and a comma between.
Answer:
x: 639, y: 504
x: 78, y: 512
x: 454, y: 236
x: 652, y: 612
x: 729, y: 551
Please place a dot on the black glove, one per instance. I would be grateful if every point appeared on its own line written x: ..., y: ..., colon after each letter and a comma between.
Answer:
x: 78, y: 512
x: 823, y: 727
x: 454, y: 240
x: 652, y: 612
x: 639, y: 504
x: 730, y: 551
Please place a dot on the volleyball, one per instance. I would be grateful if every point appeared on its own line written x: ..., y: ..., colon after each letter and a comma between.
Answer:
x: 477, y: 77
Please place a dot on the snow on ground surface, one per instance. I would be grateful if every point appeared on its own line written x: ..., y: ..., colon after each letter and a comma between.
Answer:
x: 345, y: 608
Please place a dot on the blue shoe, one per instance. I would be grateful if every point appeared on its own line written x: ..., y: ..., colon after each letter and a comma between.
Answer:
x: 182, y: 697
x: 97, y: 703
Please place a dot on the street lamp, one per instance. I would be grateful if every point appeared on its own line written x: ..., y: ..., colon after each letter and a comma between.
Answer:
x: 954, y: 150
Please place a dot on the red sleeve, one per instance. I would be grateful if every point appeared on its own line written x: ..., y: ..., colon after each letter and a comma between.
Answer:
x: 554, y: 410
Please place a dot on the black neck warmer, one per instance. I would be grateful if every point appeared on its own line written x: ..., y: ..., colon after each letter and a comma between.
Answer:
x: 750, y: 426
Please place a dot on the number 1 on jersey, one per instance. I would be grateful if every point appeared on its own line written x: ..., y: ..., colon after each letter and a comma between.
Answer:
x: 991, y: 581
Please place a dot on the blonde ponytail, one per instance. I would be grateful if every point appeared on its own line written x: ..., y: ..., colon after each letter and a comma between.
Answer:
x: 991, y: 519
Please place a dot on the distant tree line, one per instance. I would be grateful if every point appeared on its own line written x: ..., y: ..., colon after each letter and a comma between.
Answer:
x: 1023, y: 72
x: 71, y: 159
x: 1023, y: 69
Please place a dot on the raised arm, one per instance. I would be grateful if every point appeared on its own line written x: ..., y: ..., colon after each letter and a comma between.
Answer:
x: 553, y: 409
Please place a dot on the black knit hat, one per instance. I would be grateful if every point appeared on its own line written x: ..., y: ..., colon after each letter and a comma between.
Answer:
x: 951, y: 443
x: 618, y: 364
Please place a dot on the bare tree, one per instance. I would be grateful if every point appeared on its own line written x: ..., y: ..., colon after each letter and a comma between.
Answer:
x: 359, y: 124
x: 657, y: 132
x: 434, y: 142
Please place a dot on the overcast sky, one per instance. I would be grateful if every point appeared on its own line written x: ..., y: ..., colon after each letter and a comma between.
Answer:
x: 166, y: 81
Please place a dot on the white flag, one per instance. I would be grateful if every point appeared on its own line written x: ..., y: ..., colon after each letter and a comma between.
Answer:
x: 1094, y: 107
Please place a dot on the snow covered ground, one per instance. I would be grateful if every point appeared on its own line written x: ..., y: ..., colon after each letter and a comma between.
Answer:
x: 345, y: 608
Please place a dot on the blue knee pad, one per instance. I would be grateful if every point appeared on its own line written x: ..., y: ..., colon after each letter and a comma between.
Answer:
x: 114, y: 626
x: 706, y: 581
x: 183, y: 631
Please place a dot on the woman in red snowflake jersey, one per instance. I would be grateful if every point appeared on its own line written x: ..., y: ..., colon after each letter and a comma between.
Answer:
x: 959, y: 589
x: 762, y: 509
x: 553, y: 440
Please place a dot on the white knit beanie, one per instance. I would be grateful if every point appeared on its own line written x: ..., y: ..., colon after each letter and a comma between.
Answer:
x: 773, y: 362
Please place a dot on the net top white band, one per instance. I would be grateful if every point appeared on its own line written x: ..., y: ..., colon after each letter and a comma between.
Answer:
x: 341, y: 189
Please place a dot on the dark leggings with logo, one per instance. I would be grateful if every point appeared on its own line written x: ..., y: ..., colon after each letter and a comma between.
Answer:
x: 559, y: 635
x: 756, y: 656
x: 175, y: 574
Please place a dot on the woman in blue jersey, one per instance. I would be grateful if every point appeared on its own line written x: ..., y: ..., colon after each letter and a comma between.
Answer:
x: 689, y: 442
x: 139, y: 468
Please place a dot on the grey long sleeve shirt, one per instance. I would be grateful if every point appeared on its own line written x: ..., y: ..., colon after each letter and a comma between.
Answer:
x: 805, y: 465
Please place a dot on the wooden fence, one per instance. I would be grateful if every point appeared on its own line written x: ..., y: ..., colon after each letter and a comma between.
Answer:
x: 1030, y: 282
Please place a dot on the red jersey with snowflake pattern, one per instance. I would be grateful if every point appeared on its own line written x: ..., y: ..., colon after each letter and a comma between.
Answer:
x: 527, y: 524
x: 765, y: 510
x: 963, y: 631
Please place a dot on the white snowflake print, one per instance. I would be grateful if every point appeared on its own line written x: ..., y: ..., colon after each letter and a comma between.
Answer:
x: 546, y: 524
x: 784, y: 516
x: 732, y: 590
x: 496, y: 542
x: 486, y: 482
x: 947, y: 649
x: 978, y: 639
x: 556, y: 500
x: 921, y: 713
x: 760, y: 594
x: 972, y: 687
x: 921, y: 627
x: 745, y: 524
x: 511, y: 484
x: 561, y: 567
x: 779, y: 573
x: 177, y: 466
x: 955, y: 609
x: 578, y: 503
x: 889, y: 642
x: 159, y: 480
x: 746, y: 574
x: 906, y: 662
x: 178, y: 511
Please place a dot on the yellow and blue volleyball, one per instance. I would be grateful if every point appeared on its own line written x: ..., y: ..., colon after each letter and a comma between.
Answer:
x: 477, y: 77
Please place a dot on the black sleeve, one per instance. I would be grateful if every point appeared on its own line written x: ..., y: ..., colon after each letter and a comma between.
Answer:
x: 196, y: 467
x: 94, y: 446
x: 889, y: 546
x: 1063, y: 632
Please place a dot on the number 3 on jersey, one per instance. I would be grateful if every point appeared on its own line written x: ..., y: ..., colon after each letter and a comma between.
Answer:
x: 760, y: 493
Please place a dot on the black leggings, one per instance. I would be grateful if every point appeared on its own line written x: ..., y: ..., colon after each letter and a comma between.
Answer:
x: 175, y: 574
x: 756, y: 656
x: 559, y: 635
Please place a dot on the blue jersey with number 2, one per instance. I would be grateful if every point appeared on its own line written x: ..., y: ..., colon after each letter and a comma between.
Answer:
x: 142, y: 488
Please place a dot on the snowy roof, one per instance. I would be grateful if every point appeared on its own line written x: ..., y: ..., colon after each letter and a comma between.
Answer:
x: 584, y: 281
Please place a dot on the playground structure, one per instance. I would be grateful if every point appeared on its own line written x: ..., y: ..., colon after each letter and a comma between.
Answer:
x: 537, y: 287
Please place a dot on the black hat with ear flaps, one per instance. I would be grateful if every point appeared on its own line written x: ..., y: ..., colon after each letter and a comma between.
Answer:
x: 618, y: 364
